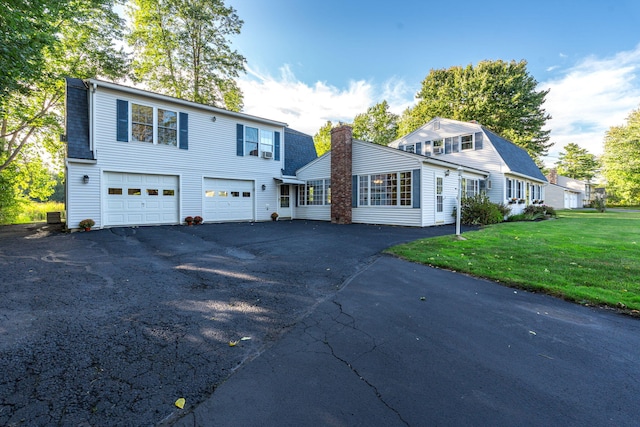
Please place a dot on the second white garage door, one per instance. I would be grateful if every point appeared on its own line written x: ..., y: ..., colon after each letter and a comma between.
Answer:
x: 228, y: 200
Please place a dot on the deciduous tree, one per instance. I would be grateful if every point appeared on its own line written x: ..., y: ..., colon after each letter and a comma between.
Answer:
x: 182, y: 49
x: 27, y: 29
x: 621, y: 161
x: 31, y: 119
x: 322, y: 139
x: 377, y: 125
x: 500, y: 95
x: 577, y: 163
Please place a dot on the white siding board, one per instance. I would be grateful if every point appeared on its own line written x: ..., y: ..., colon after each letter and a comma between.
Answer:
x: 318, y: 213
x: 387, y: 215
x: 84, y: 199
x: 318, y: 169
x: 369, y: 159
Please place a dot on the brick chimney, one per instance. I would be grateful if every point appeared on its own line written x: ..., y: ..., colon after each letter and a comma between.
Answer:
x: 552, y: 176
x: 341, y: 162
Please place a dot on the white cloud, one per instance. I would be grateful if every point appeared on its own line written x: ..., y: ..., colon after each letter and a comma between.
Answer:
x: 589, y: 98
x: 307, y: 107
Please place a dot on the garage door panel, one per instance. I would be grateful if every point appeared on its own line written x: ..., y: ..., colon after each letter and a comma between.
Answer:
x: 228, y: 200
x: 140, y: 199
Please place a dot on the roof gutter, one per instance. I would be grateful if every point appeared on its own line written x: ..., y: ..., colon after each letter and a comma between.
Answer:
x: 165, y: 98
x: 521, y: 175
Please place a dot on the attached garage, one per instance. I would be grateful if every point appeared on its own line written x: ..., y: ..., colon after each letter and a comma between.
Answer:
x: 140, y: 199
x: 228, y: 200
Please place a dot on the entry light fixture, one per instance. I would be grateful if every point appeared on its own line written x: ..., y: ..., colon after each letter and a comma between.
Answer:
x: 85, y: 179
x: 264, y: 187
x: 447, y: 172
x: 213, y: 119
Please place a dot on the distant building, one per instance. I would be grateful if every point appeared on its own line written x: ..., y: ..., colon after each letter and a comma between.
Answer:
x: 568, y: 193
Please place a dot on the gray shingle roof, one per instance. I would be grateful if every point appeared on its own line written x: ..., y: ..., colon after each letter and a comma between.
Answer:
x: 516, y: 158
x: 77, y: 120
x: 298, y: 150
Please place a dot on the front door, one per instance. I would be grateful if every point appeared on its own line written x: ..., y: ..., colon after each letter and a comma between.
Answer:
x: 284, y: 208
x: 439, y: 199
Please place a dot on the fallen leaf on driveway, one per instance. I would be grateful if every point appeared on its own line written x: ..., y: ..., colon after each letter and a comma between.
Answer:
x: 180, y: 402
x: 423, y: 298
x: 245, y: 338
x: 532, y: 333
x: 233, y: 343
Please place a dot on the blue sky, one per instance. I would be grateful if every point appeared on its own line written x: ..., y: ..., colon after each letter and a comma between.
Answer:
x: 313, y: 61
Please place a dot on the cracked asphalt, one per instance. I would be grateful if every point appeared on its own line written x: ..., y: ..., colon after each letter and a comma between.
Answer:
x: 110, y: 327
x: 407, y: 345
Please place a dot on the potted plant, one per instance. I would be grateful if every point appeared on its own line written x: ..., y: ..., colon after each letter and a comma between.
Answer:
x: 274, y: 216
x: 197, y: 219
x: 189, y: 220
x: 87, y: 224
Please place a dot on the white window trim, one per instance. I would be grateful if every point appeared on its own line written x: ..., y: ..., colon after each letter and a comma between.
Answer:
x: 433, y: 147
x: 155, y: 139
x: 262, y: 147
x: 303, y: 192
x: 398, y: 203
x: 473, y: 142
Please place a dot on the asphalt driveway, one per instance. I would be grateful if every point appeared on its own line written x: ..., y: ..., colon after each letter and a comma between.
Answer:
x: 110, y: 327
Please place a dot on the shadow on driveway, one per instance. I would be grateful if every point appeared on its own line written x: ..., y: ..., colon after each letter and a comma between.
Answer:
x: 110, y: 327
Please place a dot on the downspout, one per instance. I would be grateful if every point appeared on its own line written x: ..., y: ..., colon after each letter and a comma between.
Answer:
x: 92, y: 120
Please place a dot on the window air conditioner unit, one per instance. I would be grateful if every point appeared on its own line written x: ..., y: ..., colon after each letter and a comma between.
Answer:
x: 267, y: 155
x: 438, y: 150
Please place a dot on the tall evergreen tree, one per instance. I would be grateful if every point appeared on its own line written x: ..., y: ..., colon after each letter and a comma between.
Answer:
x: 182, y: 49
x: 577, y: 163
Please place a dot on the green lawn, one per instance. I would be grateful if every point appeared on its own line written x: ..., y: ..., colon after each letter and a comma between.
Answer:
x: 583, y: 256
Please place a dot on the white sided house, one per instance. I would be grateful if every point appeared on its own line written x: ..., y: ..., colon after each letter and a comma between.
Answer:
x: 513, y: 176
x: 363, y: 182
x: 140, y: 158
x: 567, y: 193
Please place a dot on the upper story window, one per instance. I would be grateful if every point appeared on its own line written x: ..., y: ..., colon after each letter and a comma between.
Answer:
x: 266, y: 141
x: 161, y: 130
x: 253, y: 141
x: 146, y: 123
x: 141, y: 123
x: 438, y: 146
x: 167, y: 127
x: 466, y: 142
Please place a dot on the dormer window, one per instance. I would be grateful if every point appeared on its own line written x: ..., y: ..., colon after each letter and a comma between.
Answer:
x: 466, y: 142
x: 438, y: 146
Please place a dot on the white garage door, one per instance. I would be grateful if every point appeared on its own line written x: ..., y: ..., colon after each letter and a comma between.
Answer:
x: 228, y: 200
x: 139, y: 199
